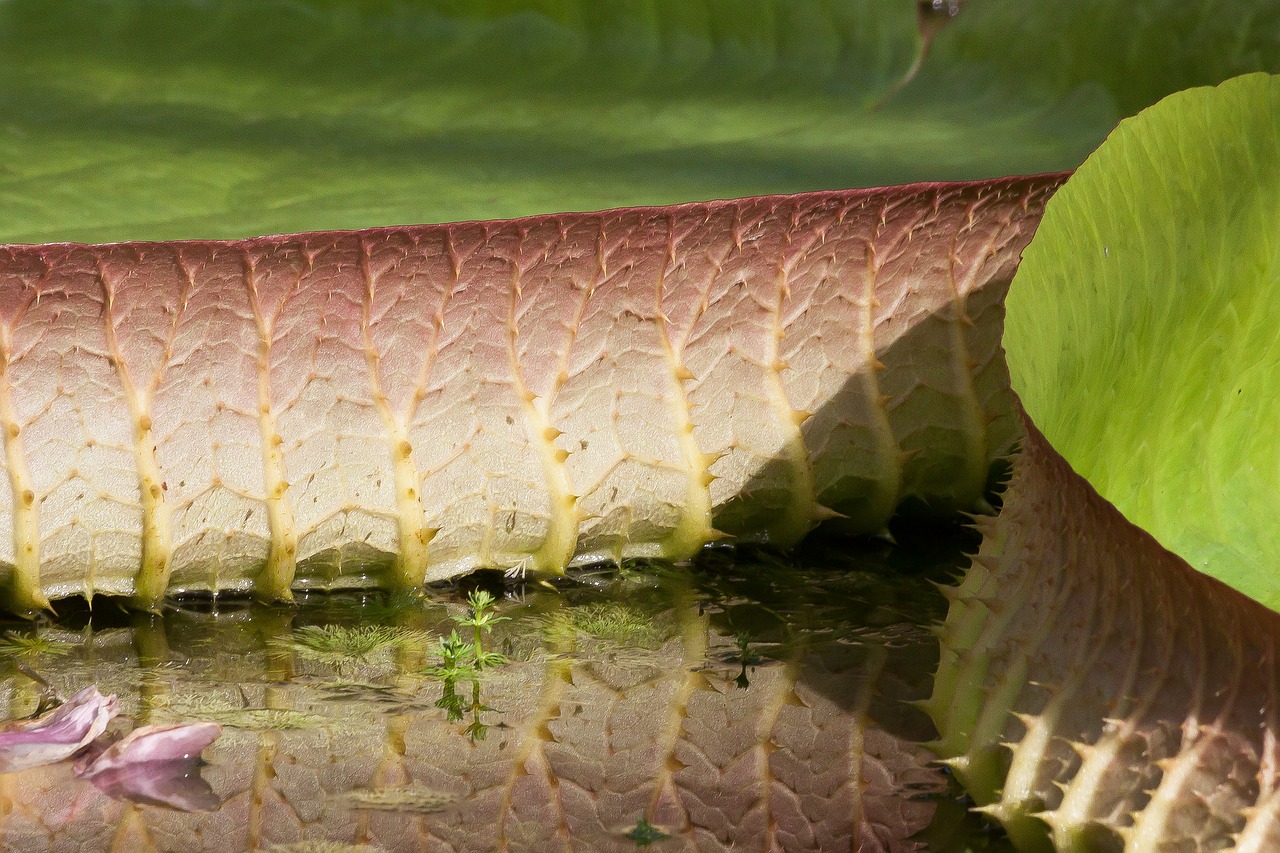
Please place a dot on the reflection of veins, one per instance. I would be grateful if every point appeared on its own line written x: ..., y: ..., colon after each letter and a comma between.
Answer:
x: 260, y: 788
x: 532, y: 737
x: 857, y: 745
x: 784, y: 694
x: 694, y: 640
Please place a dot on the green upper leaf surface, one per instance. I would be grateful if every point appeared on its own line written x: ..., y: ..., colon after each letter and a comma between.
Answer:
x: 1142, y: 328
x: 157, y: 119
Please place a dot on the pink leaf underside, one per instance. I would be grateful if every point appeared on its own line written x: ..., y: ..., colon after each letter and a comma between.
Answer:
x: 305, y: 411
x: 58, y: 734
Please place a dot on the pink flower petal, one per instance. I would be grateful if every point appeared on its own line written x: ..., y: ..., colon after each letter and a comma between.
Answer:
x: 157, y: 765
x: 58, y: 734
x: 152, y: 745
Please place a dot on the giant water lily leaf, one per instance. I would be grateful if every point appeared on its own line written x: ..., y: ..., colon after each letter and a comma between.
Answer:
x: 1096, y: 690
x: 1096, y: 693
x: 1142, y: 331
x: 1132, y: 54
x: 157, y: 119
x: 397, y: 406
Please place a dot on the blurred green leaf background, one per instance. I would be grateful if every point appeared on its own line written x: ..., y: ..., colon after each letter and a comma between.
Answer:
x: 157, y: 119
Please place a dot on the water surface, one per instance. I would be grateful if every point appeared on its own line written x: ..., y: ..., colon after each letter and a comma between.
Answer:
x: 745, y: 702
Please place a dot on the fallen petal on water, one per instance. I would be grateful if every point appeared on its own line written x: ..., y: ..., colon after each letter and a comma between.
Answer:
x: 172, y: 784
x: 155, y: 765
x: 147, y: 745
x: 57, y: 735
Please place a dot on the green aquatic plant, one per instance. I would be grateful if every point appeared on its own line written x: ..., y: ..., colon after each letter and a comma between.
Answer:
x: 620, y: 623
x: 481, y: 618
x: 406, y: 799
x: 459, y: 661
x: 346, y: 648
x: 457, y: 658
x: 746, y: 658
x: 341, y: 644
x: 644, y: 833
x: 22, y: 644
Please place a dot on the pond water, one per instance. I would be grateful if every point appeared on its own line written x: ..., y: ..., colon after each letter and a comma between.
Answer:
x: 745, y: 702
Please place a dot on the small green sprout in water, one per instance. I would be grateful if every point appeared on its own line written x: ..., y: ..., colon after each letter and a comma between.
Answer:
x: 455, y: 664
x: 645, y: 833
x: 457, y: 658
x: 30, y: 645
x: 481, y: 620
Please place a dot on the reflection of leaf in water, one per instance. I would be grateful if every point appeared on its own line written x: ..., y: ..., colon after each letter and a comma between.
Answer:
x: 411, y: 799
x: 386, y: 608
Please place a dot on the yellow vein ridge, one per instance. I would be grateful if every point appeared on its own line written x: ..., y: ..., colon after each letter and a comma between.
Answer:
x: 411, y: 522
x: 152, y: 580
x: 695, y: 527
x: 558, y: 547
x: 276, y: 580
x: 27, y: 593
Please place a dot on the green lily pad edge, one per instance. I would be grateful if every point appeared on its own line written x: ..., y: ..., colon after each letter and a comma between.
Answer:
x: 1142, y: 331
